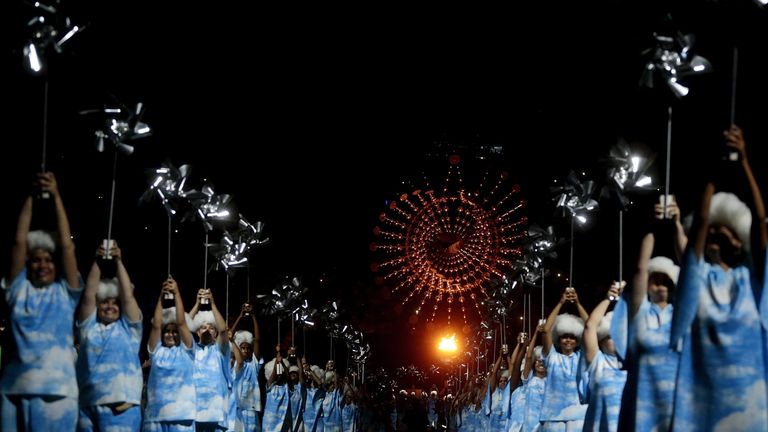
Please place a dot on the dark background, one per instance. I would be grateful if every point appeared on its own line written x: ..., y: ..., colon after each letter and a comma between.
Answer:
x: 313, y: 118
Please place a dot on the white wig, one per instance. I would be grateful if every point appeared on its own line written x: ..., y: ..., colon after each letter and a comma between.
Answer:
x: 40, y: 239
x: 293, y: 368
x: 107, y: 289
x: 604, y: 329
x: 660, y: 264
x: 727, y: 209
x: 537, y: 352
x: 169, y: 316
x: 319, y: 373
x: 270, y: 365
x: 330, y: 377
x: 567, y: 324
x: 504, y: 373
x: 243, y: 336
x: 202, y: 317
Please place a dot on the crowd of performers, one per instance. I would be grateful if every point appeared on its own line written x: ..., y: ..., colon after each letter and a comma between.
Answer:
x: 680, y: 348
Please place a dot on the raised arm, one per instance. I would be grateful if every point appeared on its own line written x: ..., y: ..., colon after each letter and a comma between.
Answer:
x: 591, y: 344
x: 546, y: 338
x: 69, y: 262
x: 196, y: 307
x: 221, y: 324
x: 735, y: 139
x: 640, y: 284
x: 308, y: 371
x: 278, y: 359
x: 529, y: 352
x: 574, y: 298
x: 19, y: 251
x: 236, y: 351
x: 299, y: 364
x: 516, y: 359
x: 157, y: 321
x: 125, y: 287
x: 88, y: 300
x: 181, y: 322
x: 256, y: 334
x: 493, y: 380
x: 248, y: 309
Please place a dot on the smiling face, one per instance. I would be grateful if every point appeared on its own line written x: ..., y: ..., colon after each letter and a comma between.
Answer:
x: 567, y: 343
x: 41, y: 269
x: 540, y: 368
x: 108, y: 311
x: 171, y: 336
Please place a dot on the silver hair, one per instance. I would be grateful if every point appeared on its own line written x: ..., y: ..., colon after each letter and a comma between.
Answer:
x: 40, y: 239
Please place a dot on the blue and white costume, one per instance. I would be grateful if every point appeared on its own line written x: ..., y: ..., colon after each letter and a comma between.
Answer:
x: 721, y: 382
x: 606, y: 385
x: 170, y: 389
x: 109, y: 372
x: 39, y: 384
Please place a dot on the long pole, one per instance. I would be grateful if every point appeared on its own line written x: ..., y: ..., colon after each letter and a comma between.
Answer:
x: 570, y: 271
x: 112, y: 200
x: 733, y: 83
x: 621, y: 245
x: 733, y: 155
x: 669, y: 157
x: 169, y: 242
x: 542, y: 294
x: 205, y: 263
x: 45, y: 124
x: 45, y: 194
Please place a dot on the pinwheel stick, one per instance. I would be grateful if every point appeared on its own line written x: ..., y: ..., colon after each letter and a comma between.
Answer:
x: 570, y: 270
x: 621, y: 245
x: 669, y: 156
x: 170, y: 227
x: 45, y: 124
x: 526, y: 310
x: 530, y: 311
x: 734, y: 75
x: 226, y: 299
x: 205, y: 263
x: 542, y: 293
x: 733, y: 155
x: 111, y: 205
x: 503, y: 329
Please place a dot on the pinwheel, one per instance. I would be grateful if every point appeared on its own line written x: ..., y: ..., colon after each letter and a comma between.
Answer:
x: 209, y: 207
x: 671, y: 60
x: 168, y: 183
x: 574, y: 199
x: 48, y: 29
x: 625, y: 174
x: 122, y: 125
x: 329, y: 316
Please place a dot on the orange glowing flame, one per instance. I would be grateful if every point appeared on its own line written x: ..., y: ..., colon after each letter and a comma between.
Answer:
x: 447, y: 343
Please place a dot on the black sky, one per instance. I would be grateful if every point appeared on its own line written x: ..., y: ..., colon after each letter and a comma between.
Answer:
x: 312, y: 118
